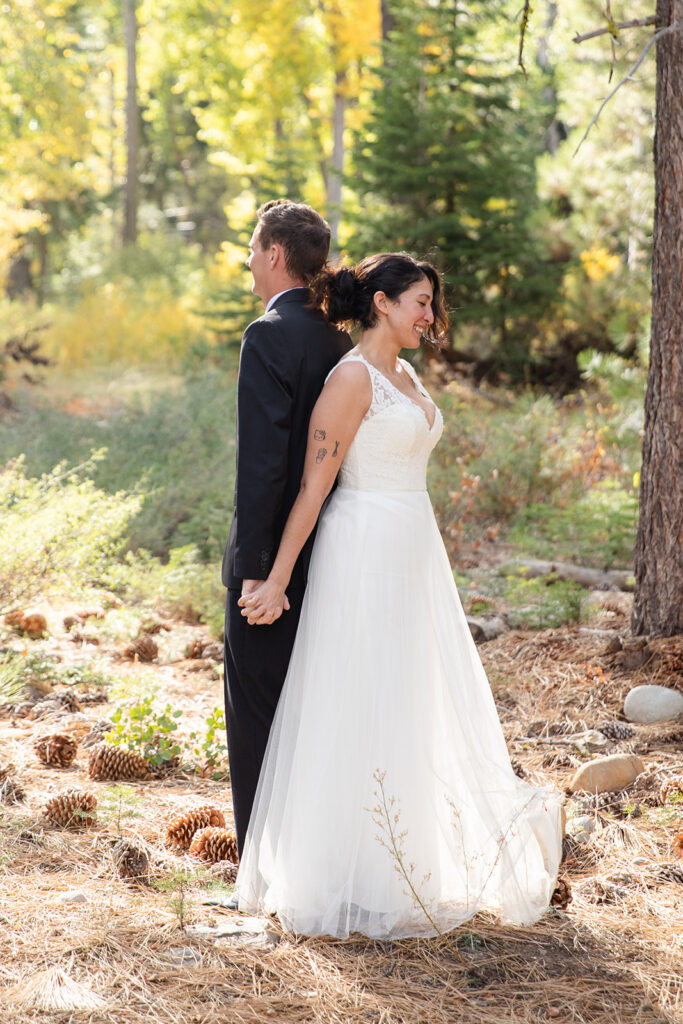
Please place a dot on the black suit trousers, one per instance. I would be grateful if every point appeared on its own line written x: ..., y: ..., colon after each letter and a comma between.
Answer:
x: 256, y: 660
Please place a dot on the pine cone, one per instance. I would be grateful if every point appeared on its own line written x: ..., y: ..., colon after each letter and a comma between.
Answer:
x: 97, y: 732
x: 182, y: 827
x: 671, y: 785
x: 56, y: 749
x: 562, y: 896
x: 224, y: 872
x: 214, y: 844
x: 109, y: 762
x: 11, y: 792
x: 152, y: 627
x: 677, y: 844
x: 195, y: 649
x: 34, y: 625
x: 517, y: 769
x: 669, y: 872
x: 616, y: 730
x: 131, y: 860
x: 143, y: 648
x: 599, y: 801
x: 62, y: 701
x: 72, y: 809
x: 14, y: 618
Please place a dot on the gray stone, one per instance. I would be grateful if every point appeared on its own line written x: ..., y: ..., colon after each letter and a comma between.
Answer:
x: 651, y: 703
x: 72, y: 896
x: 584, y: 823
x: 248, y: 931
x: 607, y: 774
x: 591, y: 740
x: 184, y: 955
x: 486, y: 627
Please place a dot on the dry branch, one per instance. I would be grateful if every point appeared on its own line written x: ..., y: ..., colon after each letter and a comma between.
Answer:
x: 628, y: 76
x: 593, y: 579
x: 617, y: 25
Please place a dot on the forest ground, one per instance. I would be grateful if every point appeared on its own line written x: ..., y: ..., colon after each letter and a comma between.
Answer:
x: 612, y: 956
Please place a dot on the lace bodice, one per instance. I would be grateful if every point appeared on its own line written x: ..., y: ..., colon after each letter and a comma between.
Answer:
x: 393, y: 443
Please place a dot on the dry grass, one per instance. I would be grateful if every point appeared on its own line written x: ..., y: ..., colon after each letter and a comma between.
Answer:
x: 613, y: 957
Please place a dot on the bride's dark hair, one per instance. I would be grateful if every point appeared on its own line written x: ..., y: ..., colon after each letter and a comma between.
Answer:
x: 345, y: 294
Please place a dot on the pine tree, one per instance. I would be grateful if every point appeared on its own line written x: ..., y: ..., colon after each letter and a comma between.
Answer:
x: 446, y: 168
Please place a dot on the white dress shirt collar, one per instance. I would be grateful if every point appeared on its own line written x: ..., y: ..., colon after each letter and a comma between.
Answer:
x: 271, y: 302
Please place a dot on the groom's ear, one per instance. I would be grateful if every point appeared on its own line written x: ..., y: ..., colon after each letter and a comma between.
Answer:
x: 276, y: 255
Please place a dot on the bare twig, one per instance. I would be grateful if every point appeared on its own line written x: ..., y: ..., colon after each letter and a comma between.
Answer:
x: 526, y: 11
x: 616, y: 26
x: 628, y: 76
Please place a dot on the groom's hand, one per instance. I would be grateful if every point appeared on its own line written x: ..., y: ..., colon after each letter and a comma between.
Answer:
x: 248, y: 588
x: 264, y: 604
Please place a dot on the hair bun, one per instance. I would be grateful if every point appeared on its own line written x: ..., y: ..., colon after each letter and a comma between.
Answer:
x: 336, y: 290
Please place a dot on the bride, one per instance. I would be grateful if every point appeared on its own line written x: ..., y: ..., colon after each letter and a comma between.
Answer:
x: 386, y: 803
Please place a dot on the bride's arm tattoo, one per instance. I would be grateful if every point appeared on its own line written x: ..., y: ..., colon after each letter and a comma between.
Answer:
x: 319, y: 435
x: 322, y: 452
x: 336, y: 449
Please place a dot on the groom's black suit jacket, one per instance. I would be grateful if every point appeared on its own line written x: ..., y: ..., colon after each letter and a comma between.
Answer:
x: 286, y: 355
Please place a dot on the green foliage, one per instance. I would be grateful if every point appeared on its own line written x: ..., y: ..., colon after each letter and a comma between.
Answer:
x: 117, y: 802
x: 543, y: 603
x: 168, y: 441
x: 211, y: 749
x: 143, y: 726
x: 148, y: 730
x: 446, y: 167
x: 58, y: 533
x: 184, y: 586
x: 555, y: 478
x: 598, y: 528
x: 21, y: 668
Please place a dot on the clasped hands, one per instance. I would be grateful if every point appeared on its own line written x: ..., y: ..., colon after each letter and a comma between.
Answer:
x: 262, y: 602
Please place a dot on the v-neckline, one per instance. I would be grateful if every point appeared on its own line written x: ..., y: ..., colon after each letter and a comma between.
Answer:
x: 430, y: 426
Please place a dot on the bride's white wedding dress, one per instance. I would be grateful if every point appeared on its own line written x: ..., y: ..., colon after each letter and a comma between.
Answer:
x: 387, y: 775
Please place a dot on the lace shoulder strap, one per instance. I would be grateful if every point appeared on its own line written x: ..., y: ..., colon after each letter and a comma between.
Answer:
x: 382, y: 390
x: 408, y: 367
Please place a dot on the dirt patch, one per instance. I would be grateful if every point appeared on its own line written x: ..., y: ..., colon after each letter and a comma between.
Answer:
x: 114, y: 951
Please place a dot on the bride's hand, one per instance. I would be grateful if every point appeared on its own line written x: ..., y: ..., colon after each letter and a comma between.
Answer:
x: 265, y: 605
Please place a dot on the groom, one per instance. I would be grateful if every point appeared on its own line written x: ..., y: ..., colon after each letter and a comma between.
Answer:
x: 286, y: 355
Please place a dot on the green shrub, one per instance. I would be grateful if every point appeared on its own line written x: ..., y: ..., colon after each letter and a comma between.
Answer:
x: 147, y: 730
x: 58, y: 533
x: 597, y: 529
x: 184, y: 586
x: 544, y: 602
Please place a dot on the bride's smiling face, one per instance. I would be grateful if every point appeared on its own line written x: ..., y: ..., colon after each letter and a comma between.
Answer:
x: 409, y: 316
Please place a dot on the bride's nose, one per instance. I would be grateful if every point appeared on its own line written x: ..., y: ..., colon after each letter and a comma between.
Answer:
x: 429, y: 315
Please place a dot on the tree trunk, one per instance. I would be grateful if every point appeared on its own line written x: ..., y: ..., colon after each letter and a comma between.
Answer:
x: 335, y: 176
x: 130, y: 227
x: 658, y: 606
x: 388, y: 20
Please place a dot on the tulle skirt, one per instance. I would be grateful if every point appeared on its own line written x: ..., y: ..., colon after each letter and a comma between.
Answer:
x: 386, y: 802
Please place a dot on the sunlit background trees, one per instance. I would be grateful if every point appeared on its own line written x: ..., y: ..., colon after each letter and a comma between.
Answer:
x: 137, y: 140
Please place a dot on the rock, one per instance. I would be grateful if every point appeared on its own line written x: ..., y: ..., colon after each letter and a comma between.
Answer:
x: 186, y: 956
x: 252, y: 931
x: 584, y: 823
x: 591, y: 740
x: 636, y: 652
x: 72, y: 896
x: 652, y: 704
x: 486, y: 627
x: 607, y: 774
